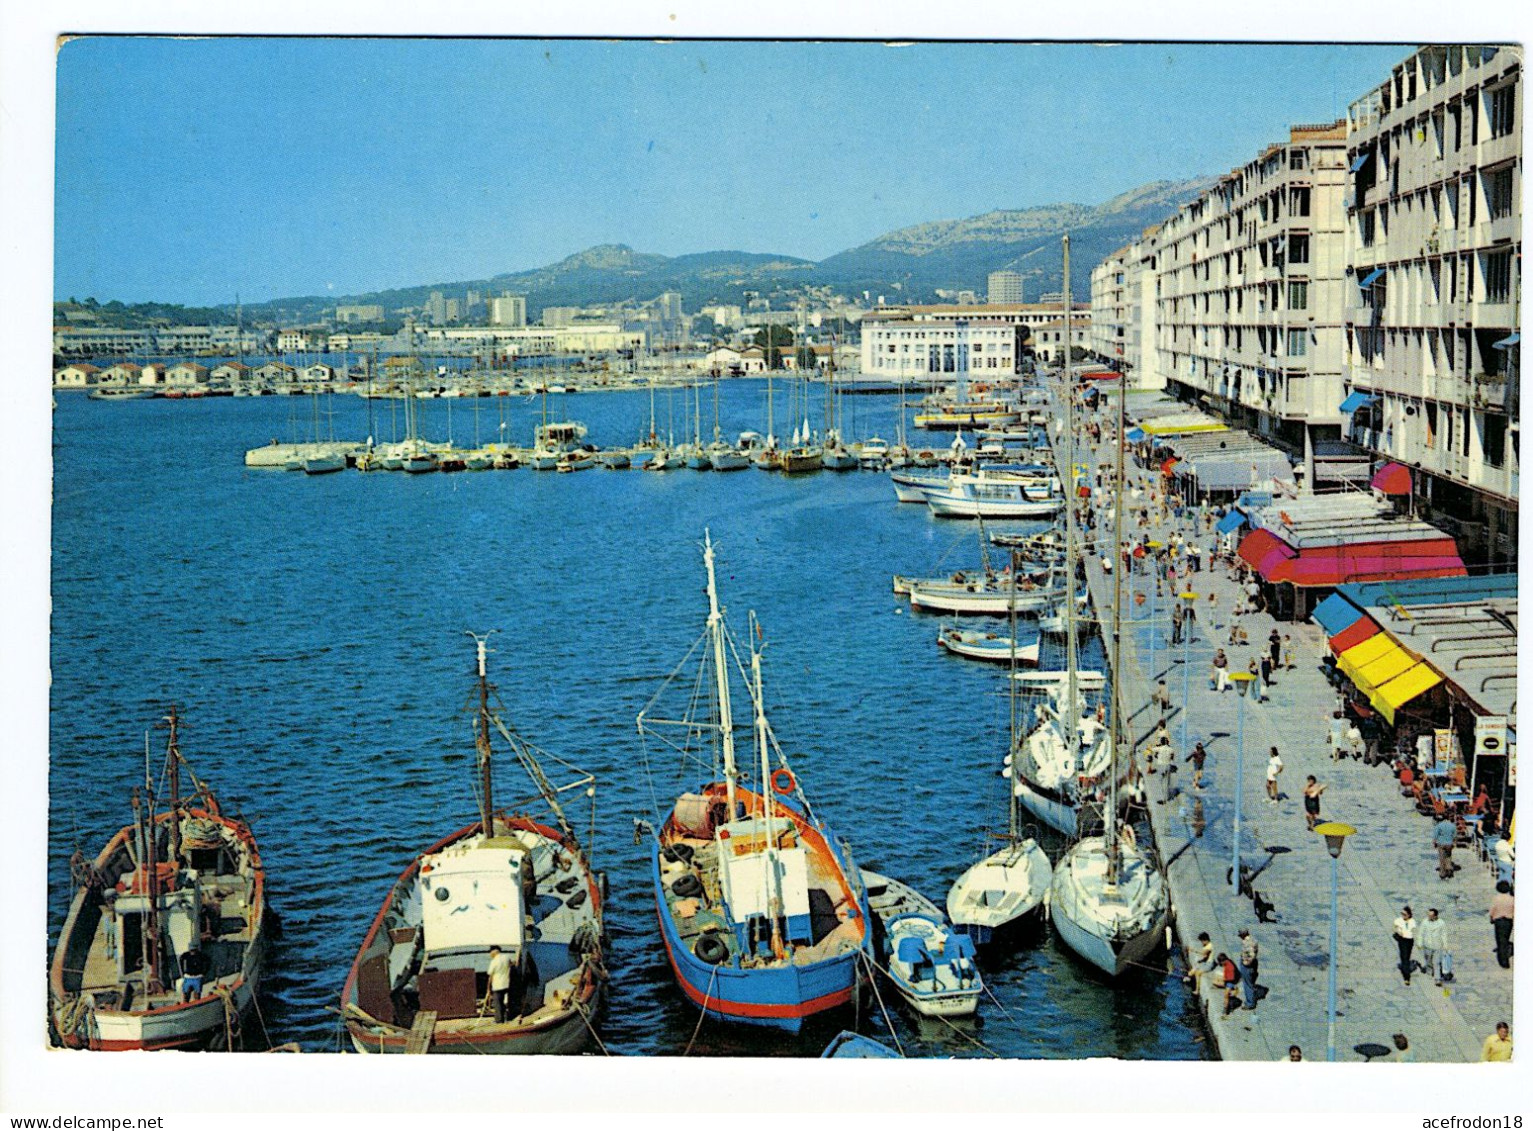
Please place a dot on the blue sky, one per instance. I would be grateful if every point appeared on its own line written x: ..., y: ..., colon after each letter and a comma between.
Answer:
x: 189, y: 170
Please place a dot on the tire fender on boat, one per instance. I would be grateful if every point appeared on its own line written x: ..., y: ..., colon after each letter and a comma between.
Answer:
x: 711, y: 949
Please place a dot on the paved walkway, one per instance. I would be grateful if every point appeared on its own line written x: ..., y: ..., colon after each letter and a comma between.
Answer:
x: 1390, y: 862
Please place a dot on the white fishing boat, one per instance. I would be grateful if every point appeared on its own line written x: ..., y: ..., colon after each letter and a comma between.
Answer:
x: 578, y: 459
x: 512, y: 889
x: 722, y: 457
x: 987, y: 498
x: 932, y: 965
x: 992, y: 596
x: 1108, y: 899
x: 664, y: 459
x: 164, y: 942
x: 551, y: 440
x: 324, y: 464
x: 991, y: 647
x: 872, y: 453
x: 912, y: 488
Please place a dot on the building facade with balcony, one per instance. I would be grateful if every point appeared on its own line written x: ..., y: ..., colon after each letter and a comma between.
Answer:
x: 1434, y: 220
x: 1249, y: 291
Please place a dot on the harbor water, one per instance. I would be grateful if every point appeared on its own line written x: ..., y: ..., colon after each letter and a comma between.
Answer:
x: 311, y: 629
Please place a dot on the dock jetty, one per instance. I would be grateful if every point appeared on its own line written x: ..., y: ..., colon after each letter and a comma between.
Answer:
x: 1388, y: 864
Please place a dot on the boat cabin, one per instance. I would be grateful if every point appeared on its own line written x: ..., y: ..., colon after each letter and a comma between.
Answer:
x: 762, y: 882
x: 473, y: 895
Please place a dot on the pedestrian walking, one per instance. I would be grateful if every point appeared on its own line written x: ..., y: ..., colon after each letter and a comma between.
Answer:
x: 499, y: 972
x: 1274, y: 768
x: 1177, y: 617
x: 1266, y: 667
x: 1336, y: 734
x: 1405, y: 939
x: 1258, y: 681
x: 1433, y: 937
x: 1501, y: 906
x: 1442, y: 837
x: 1312, y: 792
x: 1162, y: 696
x: 1498, y: 1046
x: 1275, y: 646
x: 1249, y: 956
x: 1288, y: 653
x: 1355, y: 740
x: 1197, y: 758
x: 1219, y: 674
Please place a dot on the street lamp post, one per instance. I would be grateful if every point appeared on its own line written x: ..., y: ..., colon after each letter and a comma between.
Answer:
x: 1192, y: 602
x: 1335, y: 834
x: 1154, y: 591
x: 1242, y: 682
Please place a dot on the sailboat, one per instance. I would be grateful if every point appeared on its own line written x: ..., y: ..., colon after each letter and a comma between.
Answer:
x: 1108, y: 900
x: 693, y: 452
x: 322, y: 461
x: 510, y: 883
x: 721, y: 456
x: 1061, y: 764
x: 837, y: 456
x: 763, y: 915
x: 767, y: 457
x: 1008, y: 888
x: 174, y: 893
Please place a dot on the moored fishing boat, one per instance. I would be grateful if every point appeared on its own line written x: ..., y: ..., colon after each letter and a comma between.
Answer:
x: 510, y: 898
x: 761, y: 912
x: 164, y: 940
x: 325, y: 464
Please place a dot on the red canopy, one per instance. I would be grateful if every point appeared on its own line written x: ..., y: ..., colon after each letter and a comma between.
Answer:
x: 1392, y: 479
x: 1353, y: 635
x: 1098, y: 375
x: 1325, y: 566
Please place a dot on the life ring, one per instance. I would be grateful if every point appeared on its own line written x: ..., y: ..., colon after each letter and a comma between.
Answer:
x: 687, y: 886
x: 711, y: 949
x: 783, y: 780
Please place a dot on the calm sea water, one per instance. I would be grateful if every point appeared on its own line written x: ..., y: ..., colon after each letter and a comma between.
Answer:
x: 312, y: 631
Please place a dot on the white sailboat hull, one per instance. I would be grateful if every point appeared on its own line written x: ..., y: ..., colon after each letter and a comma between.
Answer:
x: 1060, y: 815
x: 1005, y: 890
x: 1114, y: 928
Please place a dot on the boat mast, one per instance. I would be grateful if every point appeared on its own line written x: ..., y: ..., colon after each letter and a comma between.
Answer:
x: 482, y: 743
x: 173, y: 756
x: 1117, y: 643
x: 1011, y: 746
x: 721, y: 679
x: 150, y: 866
x: 1072, y: 658
x: 769, y: 857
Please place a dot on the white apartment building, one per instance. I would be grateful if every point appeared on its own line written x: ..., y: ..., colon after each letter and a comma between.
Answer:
x: 532, y: 341
x: 508, y: 310
x: 93, y: 341
x: 364, y: 312
x: 1433, y: 352
x: 1003, y: 288
x: 1238, y: 299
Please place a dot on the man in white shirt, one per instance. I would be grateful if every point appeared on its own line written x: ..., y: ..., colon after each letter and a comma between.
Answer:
x: 1274, y: 768
x: 1433, y: 937
x: 500, y: 983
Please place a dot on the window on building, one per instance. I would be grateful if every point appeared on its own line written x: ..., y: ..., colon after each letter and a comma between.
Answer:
x: 1298, y: 295
x: 1495, y: 439
x: 1298, y: 201
x: 1498, y: 276
x: 1498, y: 192
x: 1502, y: 102
x: 1365, y: 227
x: 949, y: 361
x: 1298, y: 341
x: 1298, y: 249
x: 1296, y: 158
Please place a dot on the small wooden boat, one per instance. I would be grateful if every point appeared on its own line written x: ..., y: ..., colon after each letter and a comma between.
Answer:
x: 930, y: 964
x: 163, y: 944
x: 577, y: 460
x: 508, y: 889
x: 990, y: 647
x: 847, y: 1045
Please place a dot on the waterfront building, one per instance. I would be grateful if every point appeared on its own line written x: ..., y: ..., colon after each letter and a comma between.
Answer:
x: 81, y: 375
x: 926, y: 342
x: 99, y: 341
x: 1004, y: 288
x: 233, y: 375
x: 1434, y: 212
x: 725, y: 360
x: 119, y: 376
x: 152, y: 375
x: 1048, y: 338
x: 186, y: 374
x: 275, y: 374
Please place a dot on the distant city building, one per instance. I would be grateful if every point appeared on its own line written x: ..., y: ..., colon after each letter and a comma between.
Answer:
x: 560, y: 315
x: 668, y: 306
x: 1434, y: 240
x: 97, y: 341
x: 508, y: 310
x: 1003, y: 288
x: 964, y: 298
x: 365, y: 313
x: 436, y: 308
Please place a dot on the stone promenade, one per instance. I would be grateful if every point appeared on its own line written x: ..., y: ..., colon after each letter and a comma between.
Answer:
x: 1389, y: 863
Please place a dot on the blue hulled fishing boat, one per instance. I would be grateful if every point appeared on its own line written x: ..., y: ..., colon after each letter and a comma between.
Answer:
x: 763, y: 916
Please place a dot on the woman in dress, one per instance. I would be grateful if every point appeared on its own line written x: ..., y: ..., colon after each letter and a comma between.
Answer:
x: 1312, y: 792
